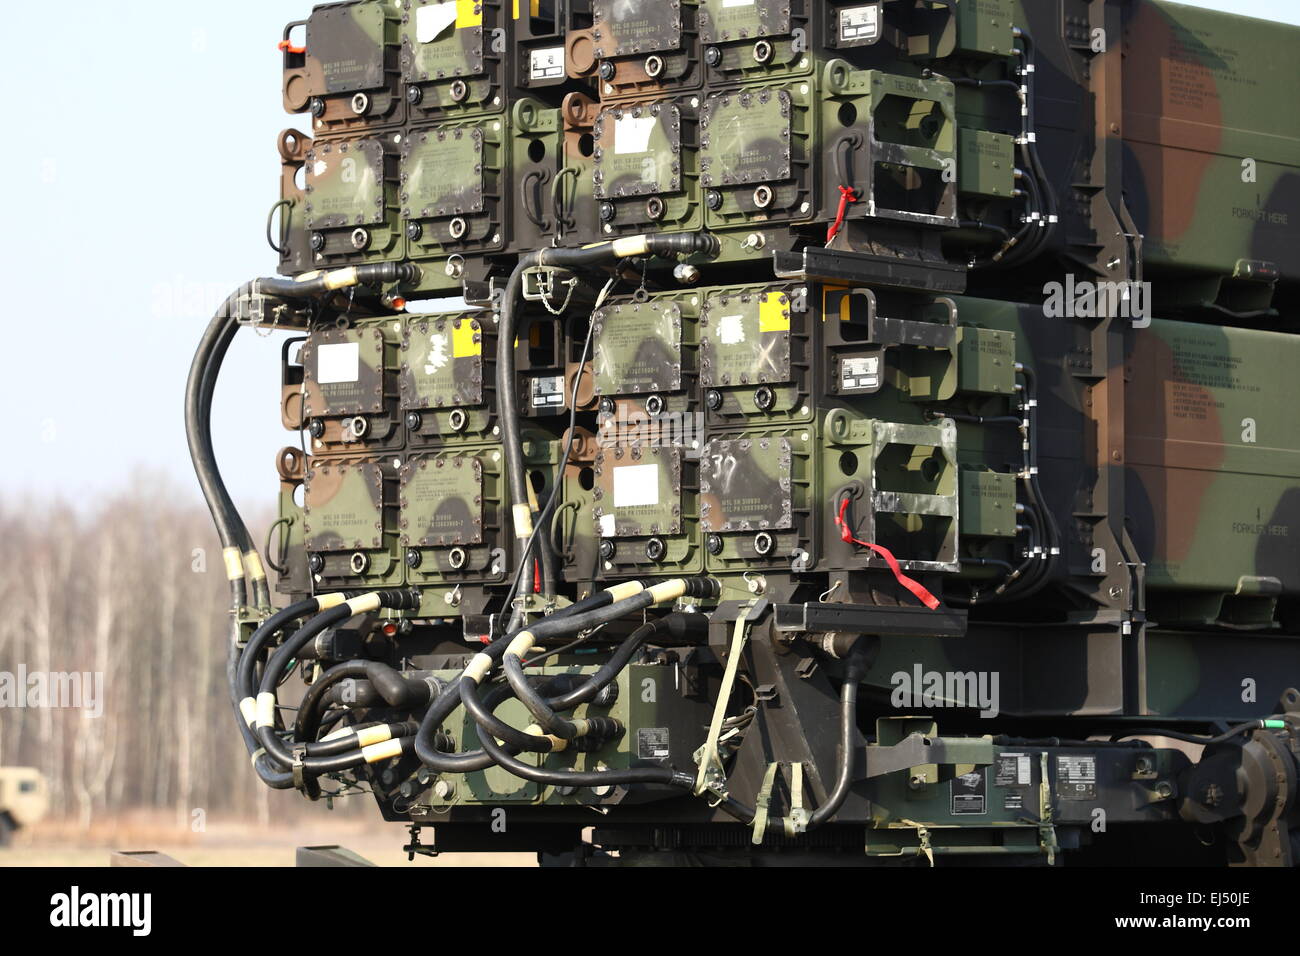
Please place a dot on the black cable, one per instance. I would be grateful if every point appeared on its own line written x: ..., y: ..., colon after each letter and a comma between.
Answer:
x: 396, y: 691
x: 1227, y: 735
x: 448, y: 700
x: 591, y: 778
x: 544, y: 518
x: 590, y: 257
x: 544, y: 711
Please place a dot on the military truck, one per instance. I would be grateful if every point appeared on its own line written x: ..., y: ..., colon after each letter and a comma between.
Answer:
x: 24, y: 800
x: 867, y: 435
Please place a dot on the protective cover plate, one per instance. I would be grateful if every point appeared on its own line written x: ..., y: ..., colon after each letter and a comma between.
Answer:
x: 442, y: 173
x: 633, y: 27
x: 343, y: 372
x: 442, y: 502
x: 345, y: 185
x: 638, y: 348
x: 745, y: 485
x: 343, y: 506
x: 726, y: 21
x: 745, y: 138
x: 638, y: 492
x: 346, y: 43
x: 638, y: 151
x: 442, y: 363
x: 745, y: 339
x: 442, y: 40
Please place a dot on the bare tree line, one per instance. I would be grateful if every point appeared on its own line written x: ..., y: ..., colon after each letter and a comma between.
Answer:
x: 133, y: 590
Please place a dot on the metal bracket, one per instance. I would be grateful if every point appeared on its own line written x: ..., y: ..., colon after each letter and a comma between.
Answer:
x: 712, y: 776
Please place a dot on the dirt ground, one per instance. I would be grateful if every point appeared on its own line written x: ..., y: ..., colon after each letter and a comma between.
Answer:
x: 225, y: 843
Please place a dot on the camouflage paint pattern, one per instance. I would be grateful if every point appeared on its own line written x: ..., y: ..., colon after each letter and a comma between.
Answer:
x: 763, y: 39
x: 725, y: 22
x: 344, y: 503
x: 644, y: 166
x: 348, y: 396
x: 1187, y: 394
x: 444, y: 378
x: 649, y: 47
x: 344, y: 372
x: 638, y: 151
x: 1211, y: 162
x: 447, y: 55
x: 638, y: 492
x: 752, y: 339
x: 442, y: 502
x: 745, y: 339
x: 347, y: 76
x: 636, y: 27
x: 350, y: 199
x: 442, y: 173
x: 746, y: 485
x: 637, y: 348
x: 346, y: 184
x: 756, y: 142
x: 349, y: 523
x: 1211, y: 433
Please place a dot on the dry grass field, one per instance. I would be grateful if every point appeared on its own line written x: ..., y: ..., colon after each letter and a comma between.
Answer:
x: 225, y: 843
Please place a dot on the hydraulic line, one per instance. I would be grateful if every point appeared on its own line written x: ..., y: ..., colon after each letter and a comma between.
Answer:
x: 544, y: 712
x: 545, y: 517
x: 600, y: 608
x: 1234, y: 731
x: 591, y: 778
x: 442, y: 706
x: 265, y: 706
x: 351, y: 738
x: 239, y: 553
x: 525, y: 640
x: 266, y: 632
x: 395, y: 690
x: 198, y: 387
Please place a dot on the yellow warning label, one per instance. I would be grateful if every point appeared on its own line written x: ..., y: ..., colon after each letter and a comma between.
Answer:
x: 469, y: 13
x: 774, y: 313
x: 465, y: 340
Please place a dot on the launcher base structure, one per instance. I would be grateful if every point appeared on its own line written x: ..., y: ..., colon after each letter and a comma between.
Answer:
x: 864, y: 434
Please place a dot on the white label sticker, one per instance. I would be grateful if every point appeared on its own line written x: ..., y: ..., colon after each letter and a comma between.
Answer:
x: 548, y: 392
x: 860, y: 372
x: 607, y: 526
x: 430, y: 21
x: 547, y: 64
x: 860, y: 23
x: 1023, y: 771
x: 437, y: 358
x: 636, y: 485
x: 737, y: 3
x: 632, y: 133
x: 731, y: 329
x: 338, y: 363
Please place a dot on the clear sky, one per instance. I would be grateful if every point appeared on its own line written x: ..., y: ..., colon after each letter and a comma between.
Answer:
x: 139, y: 174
